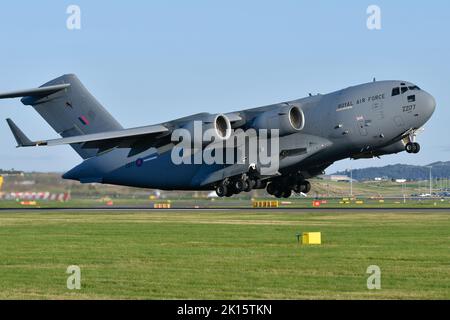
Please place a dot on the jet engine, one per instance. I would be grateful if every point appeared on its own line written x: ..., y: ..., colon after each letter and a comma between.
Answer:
x: 211, y: 126
x: 287, y: 119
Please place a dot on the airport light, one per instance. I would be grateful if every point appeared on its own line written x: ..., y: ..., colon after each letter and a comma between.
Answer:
x: 431, y: 181
x: 404, y: 192
x: 351, y: 182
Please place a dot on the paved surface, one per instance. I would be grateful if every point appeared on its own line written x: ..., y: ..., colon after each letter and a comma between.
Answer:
x: 150, y: 209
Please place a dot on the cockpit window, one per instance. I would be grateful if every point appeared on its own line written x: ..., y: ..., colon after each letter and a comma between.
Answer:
x: 413, y: 88
x: 404, y: 89
x: 395, y: 91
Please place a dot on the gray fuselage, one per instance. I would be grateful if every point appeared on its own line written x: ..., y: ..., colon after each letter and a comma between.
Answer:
x: 357, y: 122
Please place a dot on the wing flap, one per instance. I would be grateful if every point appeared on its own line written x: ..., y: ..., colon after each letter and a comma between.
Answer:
x: 118, y: 136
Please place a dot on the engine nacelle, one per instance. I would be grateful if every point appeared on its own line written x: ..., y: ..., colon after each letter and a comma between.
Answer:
x: 212, y: 126
x: 287, y: 119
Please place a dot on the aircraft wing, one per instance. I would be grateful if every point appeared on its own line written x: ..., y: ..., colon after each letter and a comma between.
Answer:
x: 125, y: 137
x: 137, y: 139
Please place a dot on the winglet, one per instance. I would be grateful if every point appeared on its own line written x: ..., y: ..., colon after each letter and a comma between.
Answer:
x: 21, y: 138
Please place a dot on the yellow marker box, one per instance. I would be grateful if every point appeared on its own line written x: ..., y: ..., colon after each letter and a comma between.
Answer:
x: 311, y: 238
x: 265, y: 204
x: 161, y: 206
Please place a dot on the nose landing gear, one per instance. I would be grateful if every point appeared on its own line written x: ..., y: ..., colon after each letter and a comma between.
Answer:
x: 412, y: 147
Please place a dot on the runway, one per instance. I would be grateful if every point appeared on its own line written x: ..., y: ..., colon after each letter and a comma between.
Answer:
x: 221, y: 209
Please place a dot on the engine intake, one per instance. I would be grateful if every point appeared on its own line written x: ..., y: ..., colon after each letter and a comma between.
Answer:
x: 287, y: 119
x: 222, y: 126
x: 202, y: 130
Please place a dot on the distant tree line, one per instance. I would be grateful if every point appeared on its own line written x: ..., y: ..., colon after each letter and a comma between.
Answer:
x: 402, y: 171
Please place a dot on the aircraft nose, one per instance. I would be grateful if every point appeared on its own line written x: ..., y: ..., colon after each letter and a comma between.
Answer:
x: 429, y: 104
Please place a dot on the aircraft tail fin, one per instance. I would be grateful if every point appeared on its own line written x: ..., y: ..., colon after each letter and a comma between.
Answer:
x: 68, y: 108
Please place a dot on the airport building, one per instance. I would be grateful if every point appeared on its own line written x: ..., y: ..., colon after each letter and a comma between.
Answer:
x: 337, y: 178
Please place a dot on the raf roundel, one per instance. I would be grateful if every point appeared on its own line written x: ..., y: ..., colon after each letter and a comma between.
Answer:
x: 84, y: 120
x: 139, y: 162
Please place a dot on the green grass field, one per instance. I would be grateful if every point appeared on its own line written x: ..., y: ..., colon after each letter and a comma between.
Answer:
x: 224, y: 255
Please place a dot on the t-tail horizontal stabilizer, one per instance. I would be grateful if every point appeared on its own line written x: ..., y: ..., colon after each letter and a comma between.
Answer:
x: 37, y: 92
x: 21, y: 138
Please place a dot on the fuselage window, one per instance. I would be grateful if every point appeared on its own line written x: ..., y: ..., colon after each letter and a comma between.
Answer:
x: 413, y: 88
x: 404, y: 89
x: 395, y: 91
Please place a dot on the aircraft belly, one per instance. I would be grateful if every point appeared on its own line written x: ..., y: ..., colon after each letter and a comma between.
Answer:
x: 157, y: 173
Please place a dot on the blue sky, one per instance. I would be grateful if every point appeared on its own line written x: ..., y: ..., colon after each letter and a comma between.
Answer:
x: 151, y: 61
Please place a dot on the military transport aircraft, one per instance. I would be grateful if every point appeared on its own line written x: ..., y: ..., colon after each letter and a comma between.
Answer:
x: 363, y: 121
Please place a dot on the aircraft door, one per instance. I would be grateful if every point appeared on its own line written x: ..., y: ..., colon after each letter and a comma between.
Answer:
x: 362, y: 127
x: 378, y: 110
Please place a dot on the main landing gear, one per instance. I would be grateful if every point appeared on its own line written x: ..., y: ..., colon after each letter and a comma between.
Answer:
x: 280, y: 187
x: 284, y: 189
x: 227, y: 188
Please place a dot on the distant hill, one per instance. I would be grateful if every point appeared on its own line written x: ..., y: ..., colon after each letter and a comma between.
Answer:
x: 401, y: 171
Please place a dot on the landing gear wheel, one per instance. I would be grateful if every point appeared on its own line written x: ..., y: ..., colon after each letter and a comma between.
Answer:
x: 409, y: 147
x: 239, y: 186
x: 271, y: 189
x: 278, y: 193
x: 221, y: 191
x: 416, y: 148
x: 412, y: 147
x: 286, y: 193
x: 248, y: 185
x: 307, y: 187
